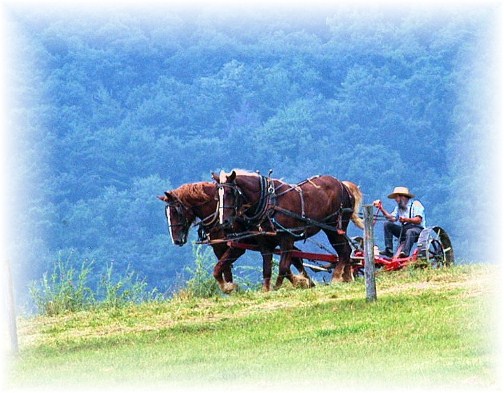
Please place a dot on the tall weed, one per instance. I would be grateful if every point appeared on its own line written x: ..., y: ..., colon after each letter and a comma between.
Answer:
x: 202, y: 282
x: 69, y: 289
x: 116, y: 291
x: 64, y: 289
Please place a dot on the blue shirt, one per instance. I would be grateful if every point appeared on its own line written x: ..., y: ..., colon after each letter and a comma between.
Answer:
x: 413, y: 209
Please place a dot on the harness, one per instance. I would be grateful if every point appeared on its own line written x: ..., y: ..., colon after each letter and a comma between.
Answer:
x: 267, y: 198
x: 266, y: 207
x: 261, y: 209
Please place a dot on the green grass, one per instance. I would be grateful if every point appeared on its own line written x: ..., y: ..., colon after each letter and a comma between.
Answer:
x: 428, y: 329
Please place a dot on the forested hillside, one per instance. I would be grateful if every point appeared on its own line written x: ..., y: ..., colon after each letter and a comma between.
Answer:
x: 110, y: 109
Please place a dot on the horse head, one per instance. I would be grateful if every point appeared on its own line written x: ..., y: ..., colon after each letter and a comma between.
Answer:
x: 178, y: 216
x: 226, y: 188
x: 236, y: 194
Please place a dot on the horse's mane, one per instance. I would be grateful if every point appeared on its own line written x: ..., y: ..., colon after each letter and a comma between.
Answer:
x: 244, y: 172
x: 193, y: 192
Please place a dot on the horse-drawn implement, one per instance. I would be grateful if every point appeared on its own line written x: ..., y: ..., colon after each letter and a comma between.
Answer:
x: 247, y: 211
x: 433, y: 249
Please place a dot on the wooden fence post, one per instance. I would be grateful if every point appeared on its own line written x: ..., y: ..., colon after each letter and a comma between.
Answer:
x: 369, y: 267
x: 10, y: 307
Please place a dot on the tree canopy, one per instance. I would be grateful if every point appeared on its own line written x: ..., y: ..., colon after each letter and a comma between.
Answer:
x: 111, y: 110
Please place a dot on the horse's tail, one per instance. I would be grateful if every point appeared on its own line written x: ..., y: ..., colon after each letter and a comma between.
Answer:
x: 357, y: 194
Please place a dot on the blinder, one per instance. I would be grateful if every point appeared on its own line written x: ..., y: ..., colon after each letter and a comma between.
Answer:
x: 238, y: 199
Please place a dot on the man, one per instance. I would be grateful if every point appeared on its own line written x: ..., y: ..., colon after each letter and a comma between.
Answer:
x: 410, y: 215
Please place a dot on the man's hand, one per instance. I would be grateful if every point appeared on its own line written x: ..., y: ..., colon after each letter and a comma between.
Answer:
x: 378, y: 204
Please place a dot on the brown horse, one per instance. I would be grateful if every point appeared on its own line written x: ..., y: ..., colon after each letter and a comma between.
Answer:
x: 295, y: 212
x: 199, y: 200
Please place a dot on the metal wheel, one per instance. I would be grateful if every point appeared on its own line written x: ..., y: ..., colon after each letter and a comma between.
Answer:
x: 435, y: 247
x: 357, y: 242
x: 357, y: 259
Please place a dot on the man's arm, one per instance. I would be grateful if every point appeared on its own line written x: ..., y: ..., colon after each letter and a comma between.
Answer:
x: 417, y: 220
x: 378, y: 204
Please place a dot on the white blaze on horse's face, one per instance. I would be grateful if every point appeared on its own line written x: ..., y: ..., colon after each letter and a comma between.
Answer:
x: 222, y: 180
x: 168, y: 216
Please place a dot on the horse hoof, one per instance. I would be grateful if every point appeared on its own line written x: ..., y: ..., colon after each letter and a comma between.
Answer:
x: 336, y: 280
x: 229, y: 287
x: 348, y: 278
x: 299, y: 281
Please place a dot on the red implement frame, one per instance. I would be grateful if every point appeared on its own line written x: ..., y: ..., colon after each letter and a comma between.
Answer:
x: 295, y: 253
x: 388, y: 264
x: 357, y: 257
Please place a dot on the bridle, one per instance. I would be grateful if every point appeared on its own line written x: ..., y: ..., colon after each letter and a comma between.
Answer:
x: 184, y: 212
x: 181, y: 211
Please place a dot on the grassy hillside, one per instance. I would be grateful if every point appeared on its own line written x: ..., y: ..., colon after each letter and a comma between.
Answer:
x: 428, y: 328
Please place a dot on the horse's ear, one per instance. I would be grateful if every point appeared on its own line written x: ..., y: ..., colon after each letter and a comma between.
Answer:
x: 232, y: 176
x: 215, y: 176
x: 167, y: 197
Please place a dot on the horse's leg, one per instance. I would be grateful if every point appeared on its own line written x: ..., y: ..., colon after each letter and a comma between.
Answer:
x: 305, y: 279
x: 284, y: 270
x: 227, y: 273
x: 346, y: 252
x: 266, y: 249
x: 267, y: 255
x: 348, y: 275
x: 286, y: 245
x: 267, y: 259
x: 343, y: 270
x: 222, y: 270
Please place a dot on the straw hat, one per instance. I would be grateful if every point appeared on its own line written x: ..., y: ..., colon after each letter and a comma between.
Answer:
x: 401, y: 191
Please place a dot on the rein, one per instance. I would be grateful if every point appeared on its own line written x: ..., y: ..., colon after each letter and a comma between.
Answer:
x: 204, y: 224
x: 309, y: 221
